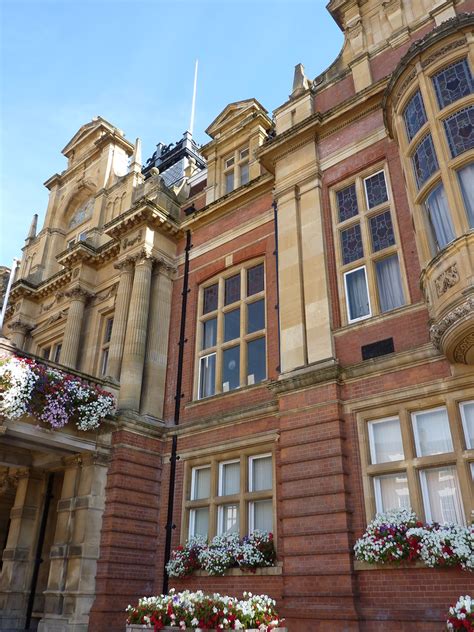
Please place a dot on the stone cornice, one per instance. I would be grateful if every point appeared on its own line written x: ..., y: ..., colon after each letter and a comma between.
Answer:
x: 327, y: 371
x: 143, y: 211
x: 82, y: 252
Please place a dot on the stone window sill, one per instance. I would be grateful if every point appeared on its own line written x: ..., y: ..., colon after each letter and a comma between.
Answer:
x: 237, y: 572
x: 365, y: 566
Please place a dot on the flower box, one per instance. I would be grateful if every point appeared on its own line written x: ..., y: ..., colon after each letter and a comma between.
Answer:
x: 140, y: 628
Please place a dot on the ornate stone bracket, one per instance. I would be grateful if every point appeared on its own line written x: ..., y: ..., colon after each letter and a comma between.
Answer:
x: 447, y: 279
x: 437, y: 330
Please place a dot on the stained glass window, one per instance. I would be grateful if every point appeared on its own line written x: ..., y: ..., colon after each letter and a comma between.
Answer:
x: 347, y: 203
x: 453, y: 83
x: 376, y: 189
x: 381, y: 230
x: 424, y: 160
x: 351, y: 242
x: 255, y: 280
x: 232, y: 289
x: 414, y: 115
x: 210, y: 298
x: 460, y: 131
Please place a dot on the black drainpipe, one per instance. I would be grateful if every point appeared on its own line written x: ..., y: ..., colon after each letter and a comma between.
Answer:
x: 39, y: 549
x: 177, y: 408
x: 277, y: 306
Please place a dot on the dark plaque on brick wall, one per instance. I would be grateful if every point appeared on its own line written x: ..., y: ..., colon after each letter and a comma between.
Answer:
x: 376, y: 349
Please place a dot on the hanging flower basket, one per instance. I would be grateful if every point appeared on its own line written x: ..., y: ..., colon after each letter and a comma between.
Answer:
x: 194, y: 611
x: 53, y: 397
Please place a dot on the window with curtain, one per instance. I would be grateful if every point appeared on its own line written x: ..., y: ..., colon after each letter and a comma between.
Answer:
x: 369, y: 257
x: 466, y: 182
x: 423, y: 459
x: 231, y: 340
x: 439, y: 219
x: 232, y: 495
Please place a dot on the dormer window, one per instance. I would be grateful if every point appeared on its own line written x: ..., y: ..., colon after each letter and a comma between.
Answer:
x: 236, y: 170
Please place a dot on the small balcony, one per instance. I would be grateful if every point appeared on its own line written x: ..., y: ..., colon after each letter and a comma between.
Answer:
x: 448, y: 285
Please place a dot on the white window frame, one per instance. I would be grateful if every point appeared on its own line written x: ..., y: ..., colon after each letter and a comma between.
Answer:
x: 220, y: 479
x: 378, y: 491
x: 371, y: 425
x: 201, y: 358
x: 250, y: 472
x: 464, y: 424
x: 193, y: 481
x: 355, y: 320
x: 370, y: 209
x: 415, y: 430
x: 426, y: 496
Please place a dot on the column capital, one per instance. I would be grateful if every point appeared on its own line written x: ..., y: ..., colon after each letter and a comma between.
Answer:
x: 126, y: 265
x: 20, y: 326
x: 78, y: 294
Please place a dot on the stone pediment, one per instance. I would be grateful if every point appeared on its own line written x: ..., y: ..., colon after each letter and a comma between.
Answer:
x: 232, y: 114
x: 89, y: 133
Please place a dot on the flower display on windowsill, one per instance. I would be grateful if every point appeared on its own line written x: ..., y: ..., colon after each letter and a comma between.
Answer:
x: 223, y: 552
x: 398, y: 536
x: 461, y: 615
x: 51, y: 396
x: 196, y: 610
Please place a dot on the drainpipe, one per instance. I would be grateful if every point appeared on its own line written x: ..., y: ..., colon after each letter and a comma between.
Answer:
x: 39, y: 549
x: 277, y: 306
x: 177, y: 409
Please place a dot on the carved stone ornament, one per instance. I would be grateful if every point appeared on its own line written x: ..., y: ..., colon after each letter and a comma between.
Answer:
x: 463, y: 347
x: 8, y: 484
x: 58, y: 316
x: 108, y: 293
x: 75, y: 273
x: 437, y: 330
x: 447, y: 279
x: 78, y: 294
x: 20, y: 326
x: 443, y: 51
x: 128, y: 242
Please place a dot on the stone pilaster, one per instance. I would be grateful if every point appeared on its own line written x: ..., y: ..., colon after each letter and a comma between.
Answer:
x: 18, y: 556
x: 119, y: 326
x: 154, y: 376
x: 72, y: 332
x: 135, y: 337
x: 19, y: 330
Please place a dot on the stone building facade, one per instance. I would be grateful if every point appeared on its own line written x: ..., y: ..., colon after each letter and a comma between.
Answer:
x: 320, y: 366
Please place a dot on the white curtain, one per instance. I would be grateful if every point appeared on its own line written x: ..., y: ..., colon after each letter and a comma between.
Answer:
x: 389, y: 284
x: 230, y: 483
x: 202, y: 483
x: 208, y: 376
x: 468, y: 423
x: 440, y: 218
x: 466, y: 179
x: 229, y: 519
x: 357, y: 297
x: 263, y: 515
x: 199, y: 522
x: 432, y: 433
x: 386, y: 441
x: 261, y: 474
x: 391, y: 492
x: 441, y: 495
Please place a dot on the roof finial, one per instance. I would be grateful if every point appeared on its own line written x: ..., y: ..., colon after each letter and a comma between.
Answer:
x: 193, y: 105
x: 32, y: 232
x: 136, y: 161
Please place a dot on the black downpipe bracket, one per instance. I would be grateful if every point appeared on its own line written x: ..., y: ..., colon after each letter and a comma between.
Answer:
x: 177, y: 409
x: 39, y: 549
x: 277, y: 306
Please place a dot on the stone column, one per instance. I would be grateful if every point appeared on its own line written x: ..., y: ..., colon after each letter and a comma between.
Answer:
x: 72, y: 332
x: 154, y: 377
x: 119, y: 326
x: 135, y: 338
x: 18, y: 556
x: 19, y: 330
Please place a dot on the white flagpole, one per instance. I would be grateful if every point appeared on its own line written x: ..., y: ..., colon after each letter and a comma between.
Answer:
x: 193, y: 106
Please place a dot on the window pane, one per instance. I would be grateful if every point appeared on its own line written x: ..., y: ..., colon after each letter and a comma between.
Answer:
x: 255, y: 280
x: 389, y: 283
x: 442, y: 230
x: 57, y: 353
x: 207, y: 378
x: 385, y: 441
x: 244, y: 173
x: 45, y: 353
x: 232, y: 325
x: 432, y: 434
x: 351, y: 243
x: 261, y: 474
x: 230, y: 478
x: 391, y: 492
x: 467, y: 413
x: 231, y: 369
x: 232, y: 289
x: 441, y: 495
x: 460, y: 131
x: 199, y: 522
x: 104, y: 361
x: 229, y: 162
x: 262, y: 515
x: 357, y: 296
x: 376, y: 189
x: 381, y: 230
x: 414, y: 115
x: 347, y: 203
x: 244, y: 153
x: 202, y: 483
x: 424, y: 160
x: 209, y: 336
x: 466, y: 180
x: 210, y: 298
x: 256, y: 362
x: 229, y: 181
x: 453, y: 83
x: 256, y: 316
x: 108, y: 329
x: 229, y: 519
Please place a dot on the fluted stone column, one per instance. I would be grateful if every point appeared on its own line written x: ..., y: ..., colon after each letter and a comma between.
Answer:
x: 135, y: 338
x: 119, y: 326
x: 19, y: 552
x: 19, y: 330
x: 154, y: 376
x: 72, y: 332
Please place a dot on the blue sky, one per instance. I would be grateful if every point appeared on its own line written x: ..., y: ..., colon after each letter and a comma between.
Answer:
x: 132, y: 62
